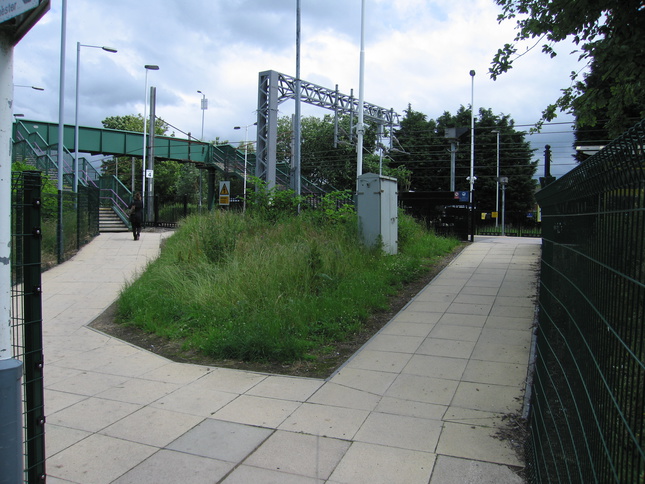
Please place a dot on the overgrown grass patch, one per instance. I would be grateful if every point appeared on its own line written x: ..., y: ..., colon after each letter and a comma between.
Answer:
x: 245, y: 287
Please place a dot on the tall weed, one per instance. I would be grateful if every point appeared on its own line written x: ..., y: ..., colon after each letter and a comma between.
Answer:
x: 247, y: 286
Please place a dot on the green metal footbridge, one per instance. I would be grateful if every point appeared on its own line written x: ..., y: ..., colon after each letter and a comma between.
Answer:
x: 37, y: 143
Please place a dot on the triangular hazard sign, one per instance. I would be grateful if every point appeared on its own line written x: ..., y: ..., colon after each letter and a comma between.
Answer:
x: 224, y: 190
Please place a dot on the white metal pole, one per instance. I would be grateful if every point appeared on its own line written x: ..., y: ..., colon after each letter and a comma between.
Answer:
x: 296, y: 127
x: 78, y: 69
x: 147, y: 67
x: 145, y: 147
x: 61, y: 99
x: 78, y: 63
x: 246, y: 150
x: 472, y: 154
x: 360, y: 129
x: 6, y: 101
x: 61, y: 127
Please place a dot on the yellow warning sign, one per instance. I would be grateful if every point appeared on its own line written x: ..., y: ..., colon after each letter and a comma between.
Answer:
x: 225, y: 193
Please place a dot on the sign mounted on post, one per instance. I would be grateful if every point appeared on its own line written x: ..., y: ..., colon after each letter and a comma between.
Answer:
x: 18, y: 16
x: 12, y: 8
x: 225, y: 193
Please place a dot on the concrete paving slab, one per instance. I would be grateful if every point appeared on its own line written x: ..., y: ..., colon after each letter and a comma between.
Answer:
x: 400, y: 328
x: 399, y: 431
x: 225, y: 441
x: 92, y: 414
x: 376, y: 464
x: 60, y: 438
x: 325, y: 421
x: 463, y: 320
x: 299, y: 454
x: 347, y: 397
x: 98, y: 459
x: 505, y: 336
x: 451, y: 470
x: 374, y: 382
x: 286, y: 388
x: 410, y: 408
x: 474, y: 309
x: 476, y: 443
x: 419, y: 317
x: 167, y: 466
x: 446, y: 347
x: 436, y: 367
x: 203, y: 403
x: 223, y: 379
x: 468, y: 416
x: 152, y: 426
x: 383, y: 361
x: 501, y: 353
x: 258, y: 411
x: 178, y: 373
x: 59, y: 400
x: 455, y: 332
x: 245, y: 474
x: 139, y: 391
x: 423, y: 389
x: 491, y: 398
x: 496, y: 373
x: 88, y: 383
x: 395, y: 343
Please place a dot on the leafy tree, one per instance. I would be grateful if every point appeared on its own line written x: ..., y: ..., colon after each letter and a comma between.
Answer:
x: 331, y: 167
x: 172, y: 179
x: 426, y: 152
x: 131, y: 122
x: 610, y: 35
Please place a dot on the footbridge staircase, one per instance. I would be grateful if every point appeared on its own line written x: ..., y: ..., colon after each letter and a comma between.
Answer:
x: 36, y: 142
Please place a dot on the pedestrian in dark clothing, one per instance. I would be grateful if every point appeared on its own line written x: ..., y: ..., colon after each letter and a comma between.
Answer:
x: 136, y: 215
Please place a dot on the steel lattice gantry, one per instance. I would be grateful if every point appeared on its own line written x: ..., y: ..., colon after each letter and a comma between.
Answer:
x: 275, y: 88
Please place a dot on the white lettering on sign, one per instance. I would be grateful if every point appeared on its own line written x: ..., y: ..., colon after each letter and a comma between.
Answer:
x: 12, y: 8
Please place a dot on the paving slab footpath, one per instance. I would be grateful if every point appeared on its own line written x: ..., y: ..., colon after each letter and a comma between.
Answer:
x: 421, y: 402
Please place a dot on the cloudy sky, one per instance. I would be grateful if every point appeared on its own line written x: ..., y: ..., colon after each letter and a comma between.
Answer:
x: 417, y: 52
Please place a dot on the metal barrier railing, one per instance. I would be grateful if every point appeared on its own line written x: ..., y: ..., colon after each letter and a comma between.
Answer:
x: 587, y: 415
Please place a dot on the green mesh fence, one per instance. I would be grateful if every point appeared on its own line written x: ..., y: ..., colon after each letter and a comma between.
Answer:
x: 587, y: 400
x: 26, y: 315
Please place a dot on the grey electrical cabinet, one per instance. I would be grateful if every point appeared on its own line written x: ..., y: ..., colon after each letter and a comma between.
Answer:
x: 376, y: 204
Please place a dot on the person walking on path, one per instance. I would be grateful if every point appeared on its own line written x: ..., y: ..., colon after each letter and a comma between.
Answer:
x: 136, y: 215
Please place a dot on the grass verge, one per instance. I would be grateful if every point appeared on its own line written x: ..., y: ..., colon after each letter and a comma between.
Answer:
x: 247, y: 288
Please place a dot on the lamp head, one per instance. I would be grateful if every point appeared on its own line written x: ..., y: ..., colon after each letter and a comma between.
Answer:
x: 109, y: 49
x: 151, y: 67
x: 472, y: 73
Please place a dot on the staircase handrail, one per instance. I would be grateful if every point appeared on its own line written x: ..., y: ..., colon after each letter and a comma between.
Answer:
x: 44, y: 161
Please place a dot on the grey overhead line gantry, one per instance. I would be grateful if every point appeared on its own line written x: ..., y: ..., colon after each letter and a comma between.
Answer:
x: 275, y: 88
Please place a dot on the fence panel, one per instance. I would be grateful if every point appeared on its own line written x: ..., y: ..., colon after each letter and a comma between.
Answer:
x: 587, y: 415
x: 26, y: 315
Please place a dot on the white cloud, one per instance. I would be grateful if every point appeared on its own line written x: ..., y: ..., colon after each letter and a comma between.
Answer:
x: 417, y: 52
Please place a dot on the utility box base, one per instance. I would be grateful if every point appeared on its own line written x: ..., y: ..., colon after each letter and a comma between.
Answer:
x: 376, y: 205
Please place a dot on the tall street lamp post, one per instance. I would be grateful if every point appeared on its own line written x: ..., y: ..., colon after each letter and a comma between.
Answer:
x: 246, y: 150
x: 78, y: 64
x: 148, y: 67
x: 204, y: 108
x: 496, y: 131
x: 472, y: 178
